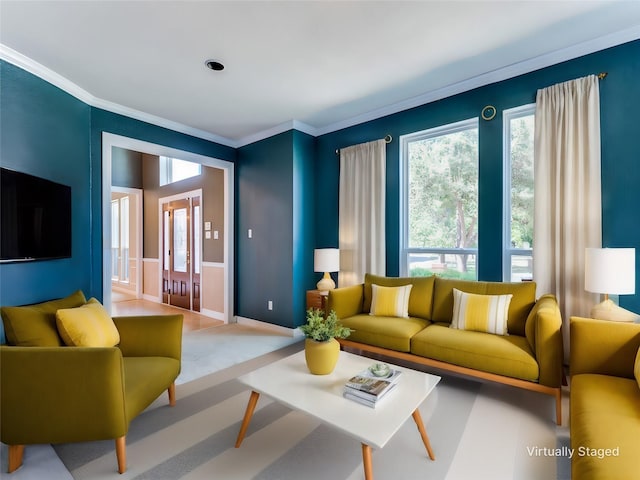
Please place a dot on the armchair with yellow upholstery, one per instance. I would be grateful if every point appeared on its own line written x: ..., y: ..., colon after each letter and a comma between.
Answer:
x: 59, y: 394
x: 604, y: 399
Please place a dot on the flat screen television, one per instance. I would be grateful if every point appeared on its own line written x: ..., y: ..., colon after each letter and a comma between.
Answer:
x: 35, y: 218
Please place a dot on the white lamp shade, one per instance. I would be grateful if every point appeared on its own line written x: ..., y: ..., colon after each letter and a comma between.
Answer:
x: 610, y: 270
x: 326, y: 260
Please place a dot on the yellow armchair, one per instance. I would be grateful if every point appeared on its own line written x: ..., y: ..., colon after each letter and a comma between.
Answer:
x: 75, y: 394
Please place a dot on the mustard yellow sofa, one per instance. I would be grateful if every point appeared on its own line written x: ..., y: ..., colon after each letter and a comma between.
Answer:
x: 529, y: 357
x: 604, y: 417
x: 52, y: 393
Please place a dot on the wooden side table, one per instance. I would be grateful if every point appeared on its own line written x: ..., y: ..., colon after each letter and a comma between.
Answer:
x: 317, y: 299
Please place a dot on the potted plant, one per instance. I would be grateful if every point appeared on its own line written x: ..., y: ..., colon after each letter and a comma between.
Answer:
x: 321, y: 349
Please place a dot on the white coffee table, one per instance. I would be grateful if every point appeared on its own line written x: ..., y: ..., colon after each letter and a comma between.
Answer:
x: 289, y: 382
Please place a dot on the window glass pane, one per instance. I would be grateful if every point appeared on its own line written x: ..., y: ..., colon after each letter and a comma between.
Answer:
x: 115, y: 239
x: 173, y: 170
x: 522, y: 182
x: 442, y: 200
x: 181, y: 169
x: 521, y: 268
x: 124, y: 238
x: 166, y: 243
x: 196, y: 239
x: 442, y: 264
x: 519, y: 125
x: 180, y: 239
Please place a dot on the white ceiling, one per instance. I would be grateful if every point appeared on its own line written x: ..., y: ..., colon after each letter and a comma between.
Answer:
x: 316, y: 65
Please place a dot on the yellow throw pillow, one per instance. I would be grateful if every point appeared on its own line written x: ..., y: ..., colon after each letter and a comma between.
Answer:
x: 480, y: 313
x: 390, y: 301
x: 87, y: 326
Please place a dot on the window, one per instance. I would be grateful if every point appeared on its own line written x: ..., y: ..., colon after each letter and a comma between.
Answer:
x: 173, y: 170
x: 120, y: 240
x: 440, y: 200
x: 518, y: 193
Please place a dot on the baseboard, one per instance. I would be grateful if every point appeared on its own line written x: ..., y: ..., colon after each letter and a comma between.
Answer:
x: 292, y: 332
x: 212, y: 314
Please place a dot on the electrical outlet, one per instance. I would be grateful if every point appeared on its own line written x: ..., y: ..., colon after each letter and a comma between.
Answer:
x: 270, y: 305
x: 250, y: 233
x: 216, y: 235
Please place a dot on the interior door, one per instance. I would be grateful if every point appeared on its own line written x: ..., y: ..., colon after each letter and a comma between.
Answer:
x: 176, y: 271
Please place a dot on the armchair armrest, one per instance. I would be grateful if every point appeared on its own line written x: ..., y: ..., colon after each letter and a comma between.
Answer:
x: 61, y: 394
x: 544, y: 333
x: 603, y: 347
x: 150, y: 335
x: 346, y: 301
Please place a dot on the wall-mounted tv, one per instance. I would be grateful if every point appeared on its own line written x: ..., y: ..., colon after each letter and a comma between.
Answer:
x: 35, y: 218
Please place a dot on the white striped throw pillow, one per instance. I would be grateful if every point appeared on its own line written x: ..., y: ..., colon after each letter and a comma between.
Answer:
x: 390, y: 301
x: 480, y: 313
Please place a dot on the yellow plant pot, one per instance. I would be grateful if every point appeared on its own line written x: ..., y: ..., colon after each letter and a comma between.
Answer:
x: 321, y: 357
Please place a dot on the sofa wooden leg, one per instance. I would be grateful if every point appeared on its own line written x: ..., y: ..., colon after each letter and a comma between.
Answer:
x: 121, y: 454
x: 172, y: 394
x: 559, y: 406
x: 16, y: 452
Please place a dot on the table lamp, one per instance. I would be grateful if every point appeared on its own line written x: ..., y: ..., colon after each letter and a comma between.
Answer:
x: 326, y: 260
x: 611, y: 271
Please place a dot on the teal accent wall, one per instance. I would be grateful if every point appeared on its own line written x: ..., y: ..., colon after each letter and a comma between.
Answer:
x: 274, y: 195
x: 44, y: 132
x: 620, y: 102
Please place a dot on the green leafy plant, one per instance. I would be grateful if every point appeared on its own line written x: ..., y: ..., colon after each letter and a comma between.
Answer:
x: 323, y: 329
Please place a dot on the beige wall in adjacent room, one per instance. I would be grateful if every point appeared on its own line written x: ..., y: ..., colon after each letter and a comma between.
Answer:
x: 151, y: 278
x: 213, y: 288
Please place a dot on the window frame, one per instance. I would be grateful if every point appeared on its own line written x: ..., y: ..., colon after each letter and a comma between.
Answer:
x: 405, y: 250
x: 507, y: 251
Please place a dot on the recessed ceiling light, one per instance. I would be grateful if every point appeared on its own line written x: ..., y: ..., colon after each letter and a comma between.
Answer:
x: 214, y: 65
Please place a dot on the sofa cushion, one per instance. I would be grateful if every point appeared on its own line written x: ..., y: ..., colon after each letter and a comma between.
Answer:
x: 390, y: 301
x: 386, y: 332
x: 480, y: 313
x: 503, y: 355
x: 605, y: 414
x: 144, y: 379
x: 87, y: 326
x: 420, y: 299
x: 35, y: 325
x: 524, y: 298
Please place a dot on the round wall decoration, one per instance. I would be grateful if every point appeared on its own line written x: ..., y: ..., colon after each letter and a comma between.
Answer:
x: 488, y: 112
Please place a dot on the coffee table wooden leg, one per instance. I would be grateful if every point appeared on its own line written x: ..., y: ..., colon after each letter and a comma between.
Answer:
x: 251, y: 406
x: 366, y: 460
x: 423, y: 433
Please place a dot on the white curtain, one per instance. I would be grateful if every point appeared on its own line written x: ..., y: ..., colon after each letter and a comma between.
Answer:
x: 568, y: 212
x: 362, y: 212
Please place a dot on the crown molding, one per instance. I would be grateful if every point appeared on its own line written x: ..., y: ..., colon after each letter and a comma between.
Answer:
x: 520, y: 68
x: 278, y: 129
x: 57, y: 80
x: 537, y: 63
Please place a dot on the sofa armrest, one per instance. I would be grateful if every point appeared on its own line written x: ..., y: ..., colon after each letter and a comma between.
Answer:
x: 346, y: 301
x: 603, y: 347
x: 61, y: 394
x: 544, y: 333
x: 150, y: 335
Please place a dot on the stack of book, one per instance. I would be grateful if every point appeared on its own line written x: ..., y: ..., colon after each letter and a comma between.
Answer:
x: 367, y: 389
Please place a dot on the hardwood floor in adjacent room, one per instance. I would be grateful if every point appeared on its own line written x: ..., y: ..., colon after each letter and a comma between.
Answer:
x: 124, y: 304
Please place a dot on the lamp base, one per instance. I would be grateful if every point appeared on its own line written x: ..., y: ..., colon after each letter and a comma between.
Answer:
x: 326, y: 283
x: 608, y: 310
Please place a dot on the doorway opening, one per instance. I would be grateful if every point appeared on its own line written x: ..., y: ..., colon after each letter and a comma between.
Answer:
x: 181, y: 247
x: 216, y: 274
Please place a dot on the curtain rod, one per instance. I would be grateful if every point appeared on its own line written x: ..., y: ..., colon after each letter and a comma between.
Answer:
x: 602, y: 75
x: 387, y: 139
